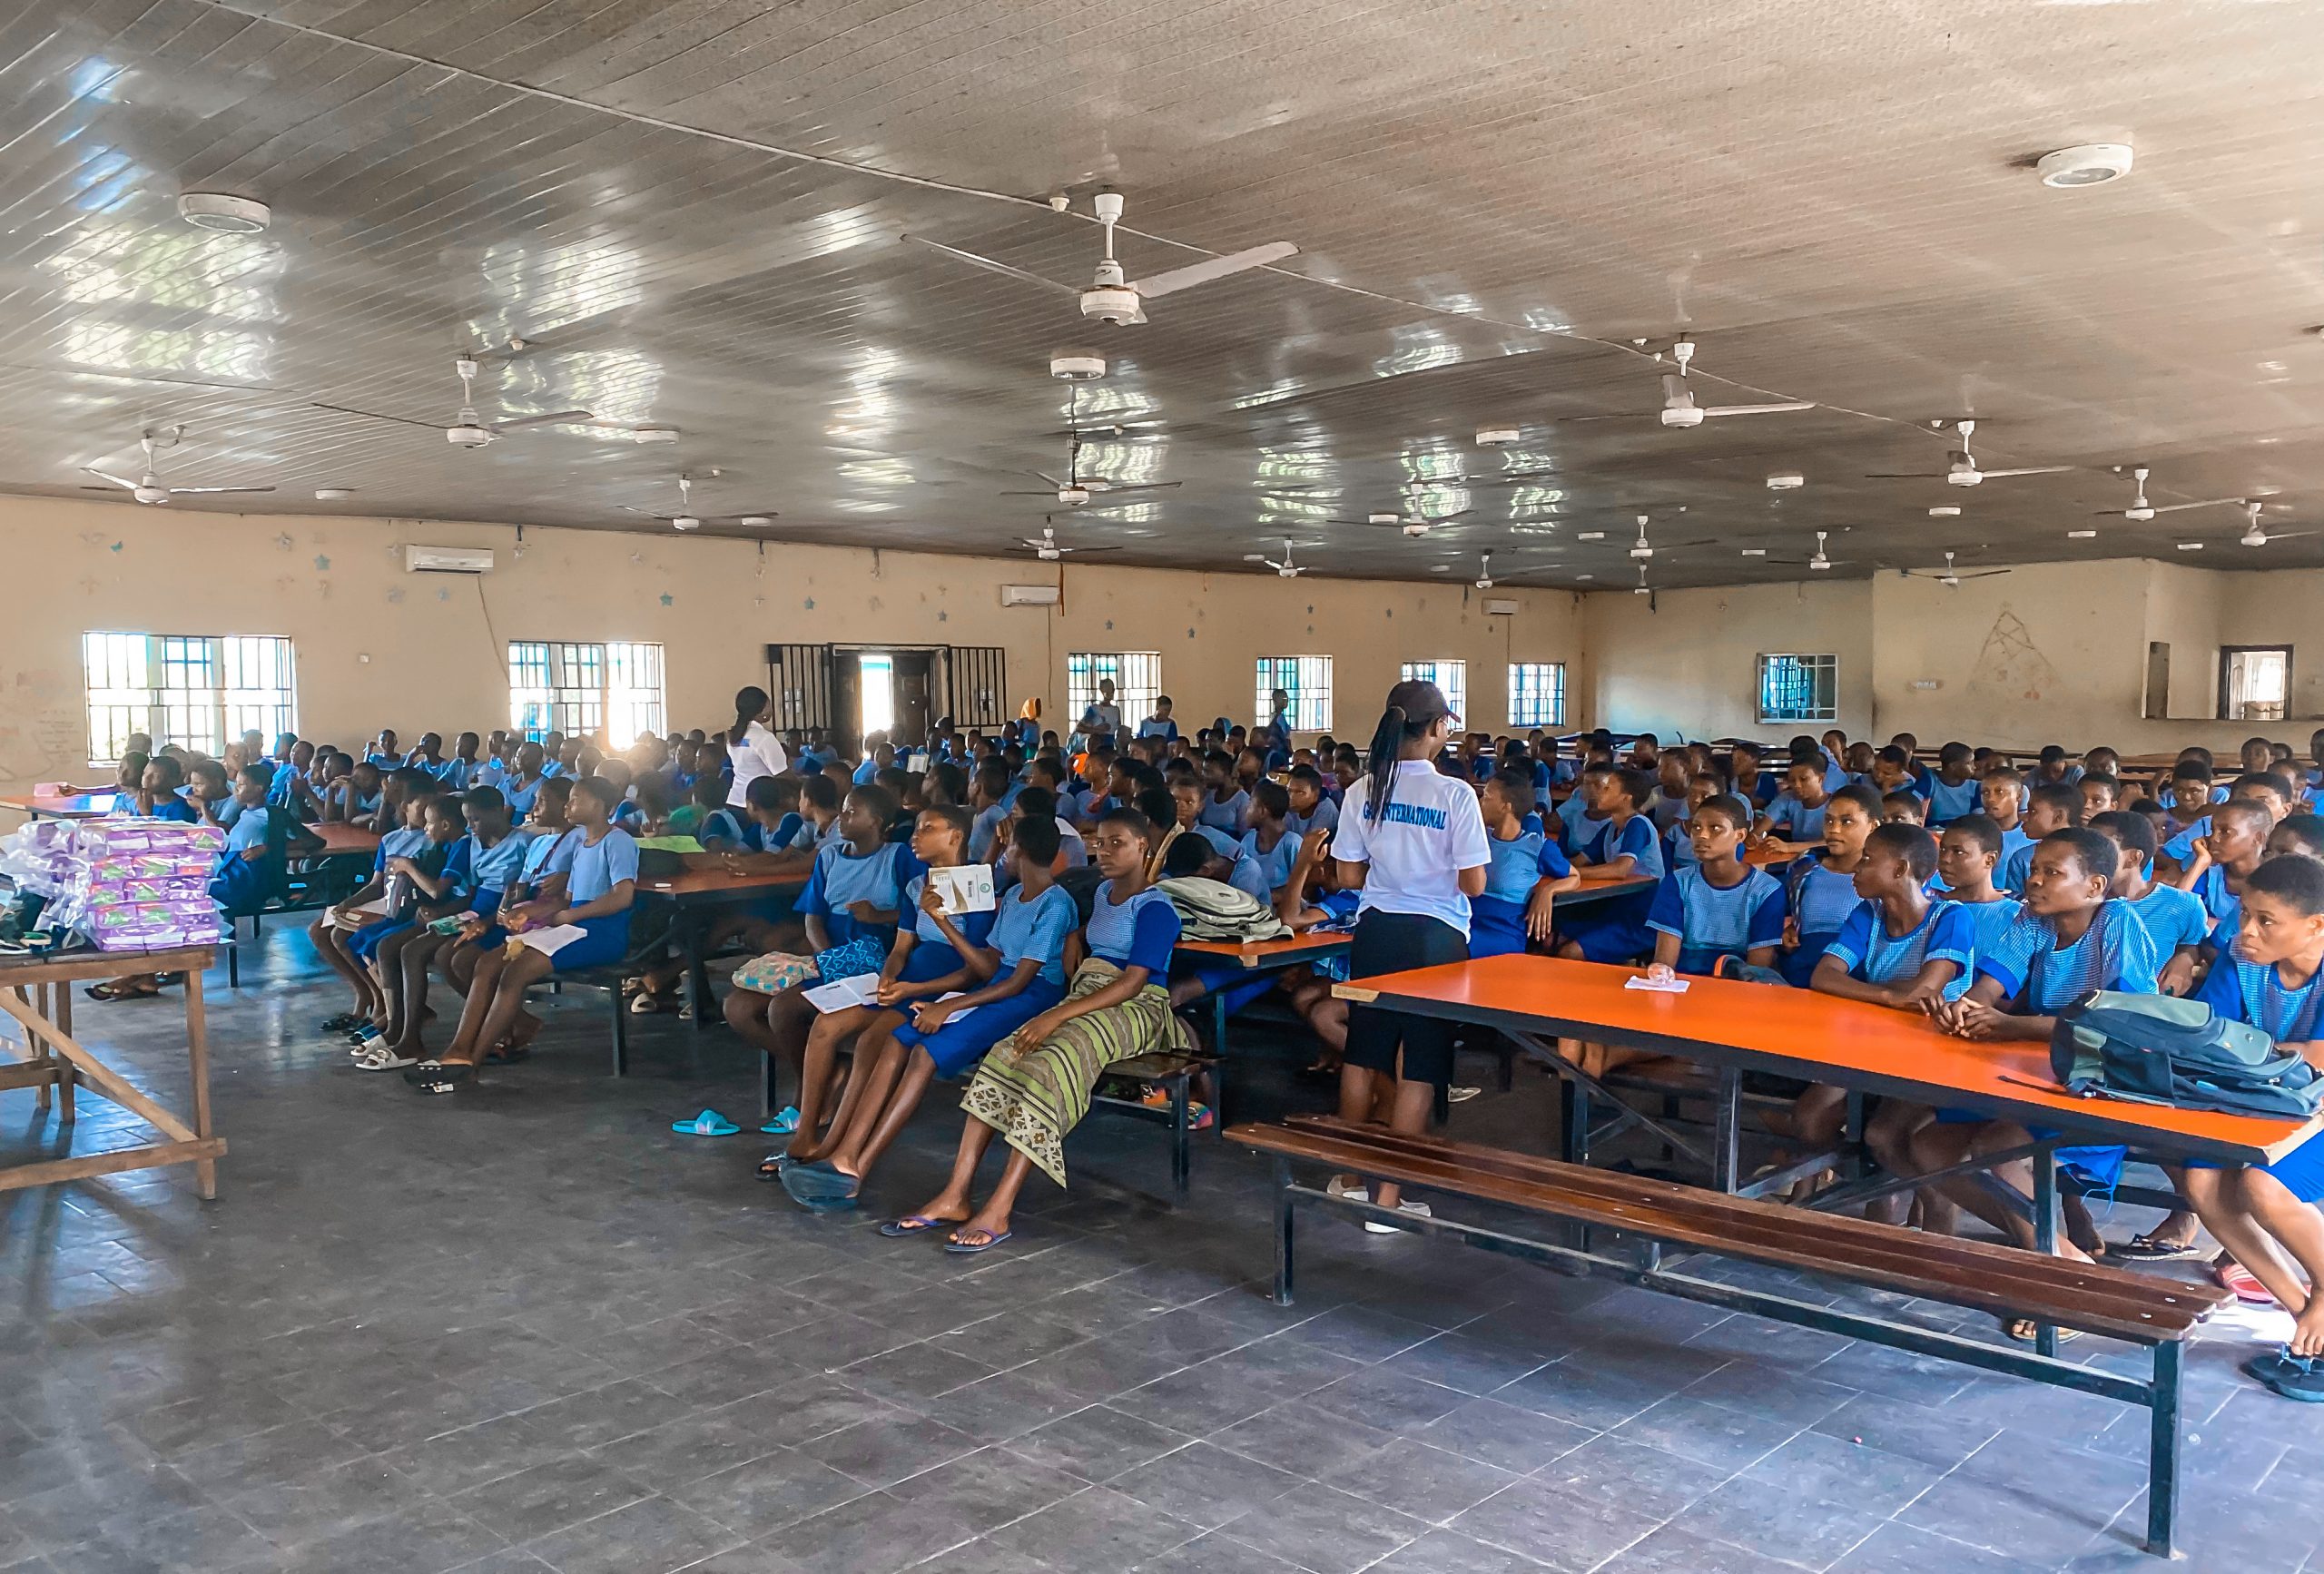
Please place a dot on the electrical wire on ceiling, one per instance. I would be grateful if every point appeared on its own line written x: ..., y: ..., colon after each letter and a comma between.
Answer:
x: 1012, y: 199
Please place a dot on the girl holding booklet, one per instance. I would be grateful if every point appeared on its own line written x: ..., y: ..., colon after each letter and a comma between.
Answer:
x: 936, y: 953
x: 587, y: 927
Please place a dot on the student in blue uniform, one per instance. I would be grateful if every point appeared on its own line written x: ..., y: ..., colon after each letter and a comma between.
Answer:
x: 1621, y: 846
x: 2272, y: 976
x: 1269, y: 843
x: 1313, y: 808
x: 481, y: 869
x: 1677, y: 842
x: 599, y: 889
x: 1527, y: 871
x: 2070, y: 937
x: 1820, y: 888
x: 1414, y: 842
x: 947, y: 1037
x: 1952, y: 789
x: 2050, y: 806
x: 1033, y: 1089
x: 426, y: 883
x: 1747, y: 776
x: 933, y: 954
x: 1715, y: 905
x: 2225, y: 858
x: 1224, y: 808
x: 2174, y: 920
x: 1794, y: 822
x: 849, y: 905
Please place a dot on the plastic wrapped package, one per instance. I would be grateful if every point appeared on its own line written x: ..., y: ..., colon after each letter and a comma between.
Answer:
x: 135, y: 925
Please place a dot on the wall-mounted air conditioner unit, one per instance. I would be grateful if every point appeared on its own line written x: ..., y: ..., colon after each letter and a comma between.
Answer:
x: 1497, y: 608
x: 1028, y: 596
x: 419, y: 559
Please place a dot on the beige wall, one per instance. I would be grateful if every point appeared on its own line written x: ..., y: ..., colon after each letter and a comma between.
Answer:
x: 1687, y: 662
x: 378, y: 646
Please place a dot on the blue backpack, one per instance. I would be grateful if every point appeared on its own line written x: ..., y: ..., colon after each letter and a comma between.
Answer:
x: 2154, y: 1049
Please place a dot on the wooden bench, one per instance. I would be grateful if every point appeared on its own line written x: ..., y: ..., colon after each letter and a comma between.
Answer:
x: 2000, y: 1281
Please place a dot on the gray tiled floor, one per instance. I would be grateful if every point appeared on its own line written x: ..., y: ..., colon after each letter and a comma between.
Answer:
x: 530, y: 1328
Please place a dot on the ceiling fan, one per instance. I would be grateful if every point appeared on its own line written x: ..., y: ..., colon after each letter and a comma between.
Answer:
x: 1409, y: 526
x: 1949, y: 577
x: 2141, y: 510
x: 1644, y: 588
x: 1678, y: 406
x: 1286, y: 569
x: 1645, y: 549
x: 685, y: 518
x: 469, y: 431
x: 2257, y: 535
x: 1109, y: 297
x: 1047, y: 548
x: 148, y: 488
x: 1076, y: 488
x: 1963, y: 471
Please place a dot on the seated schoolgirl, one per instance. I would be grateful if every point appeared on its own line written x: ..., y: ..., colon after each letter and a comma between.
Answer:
x: 2071, y: 937
x: 850, y: 905
x: 933, y: 955
x: 1717, y: 907
x: 1269, y: 844
x: 945, y: 1037
x: 1901, y: 949
x: 1313, y: 808
x: 2272, y: 976
x: 156, y: 796
x: 1622, y: 845
x: 1820, y: 888
x: 542, y: 870
x: 1527, y: 871
x: 1033, y: 1087
x: 333, y: 932
x: 598, y: 891
x: 487, y: 862
x: 425, y: 884
x: 1794, y: 820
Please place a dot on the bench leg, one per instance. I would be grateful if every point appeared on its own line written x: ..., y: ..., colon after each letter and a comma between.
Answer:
x: 766, y: 1088
x: 1726, y: 1139
x: 1179, y: 1157
x: 1218, y: 1065
x: 1283, y: 1231
x: 1508, y: 1053
x: 697, y: 972
x: 2162, y: 1449
x: 620, y: 1031
x: 2046, y: 1234
x: 234, y: 952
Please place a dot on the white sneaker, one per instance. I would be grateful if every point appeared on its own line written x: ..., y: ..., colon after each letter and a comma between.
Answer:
x: 1332, y: 1189
x: 1457, y: 1095
x: 1379, y: 1227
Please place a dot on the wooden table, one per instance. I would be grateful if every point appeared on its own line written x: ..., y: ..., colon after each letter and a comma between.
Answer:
x: 38, y: 993
x: 80, y: 806
x: 693, y: 893
x: 1735, y: 1027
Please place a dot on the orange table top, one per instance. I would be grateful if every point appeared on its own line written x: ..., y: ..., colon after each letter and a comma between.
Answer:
x: 1799, y: 1033
x: 712, y: 883
x: 1293, y: 948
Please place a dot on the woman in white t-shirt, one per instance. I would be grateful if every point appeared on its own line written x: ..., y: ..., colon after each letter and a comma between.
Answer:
x: 750, y: 747
x: 1414, y: 841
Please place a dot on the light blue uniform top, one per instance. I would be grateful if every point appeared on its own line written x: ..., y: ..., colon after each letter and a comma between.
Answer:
x: 1036, y: 930
x: 1873, y: 955
x: 2113, y: 953
x: 1138, y: 934
x: 599, y: 866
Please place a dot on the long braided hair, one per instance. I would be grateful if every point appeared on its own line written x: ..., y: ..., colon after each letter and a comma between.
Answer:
x: 1414, y: 707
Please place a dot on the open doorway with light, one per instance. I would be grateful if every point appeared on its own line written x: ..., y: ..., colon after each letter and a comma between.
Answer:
x: 883, y: 690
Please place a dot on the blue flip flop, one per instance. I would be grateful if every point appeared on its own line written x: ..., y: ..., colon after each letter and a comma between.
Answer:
x: 709, y: 1123
x: 784, y: 1123
x: 963, y: 1249
x: 912, y: 1224
x: 826, y: 1205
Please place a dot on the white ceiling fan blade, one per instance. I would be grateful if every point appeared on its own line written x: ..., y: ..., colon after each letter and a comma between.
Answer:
x: 2028, y: 470
x: 1981, y: 573
x: 376, y: 415
x: 1089, y: 549
x: 1757, y: 409
x: 1203, y: 273
x: 2206, y: 503
x: 1908, y: 475
x: 126, y: 486
x: 2288, y: 534
x: 181, y: 491
x: 989, y: 266
x: 650, y: 514
x: 1114, y: 489
x: 555, y: 418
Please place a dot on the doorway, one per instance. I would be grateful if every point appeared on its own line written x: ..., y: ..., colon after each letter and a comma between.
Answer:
x: 883, y: 691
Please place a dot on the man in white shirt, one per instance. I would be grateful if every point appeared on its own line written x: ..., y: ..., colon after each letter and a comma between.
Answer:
x: 1103, y: 718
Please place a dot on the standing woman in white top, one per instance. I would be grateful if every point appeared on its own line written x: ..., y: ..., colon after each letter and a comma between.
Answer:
x: 1414, y: 841
x: 750, y: 747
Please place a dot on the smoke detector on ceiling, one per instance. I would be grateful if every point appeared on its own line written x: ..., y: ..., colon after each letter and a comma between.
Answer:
x: 1075, y: 366
x: 2090, y: 164
x: 1945, y: 511
x: 333, y: 494
x: 216, y: 210
x: 1786, y: 480
x: 1497, y: 437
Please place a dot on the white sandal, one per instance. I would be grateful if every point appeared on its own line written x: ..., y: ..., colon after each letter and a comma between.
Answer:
x: 384, y: 1060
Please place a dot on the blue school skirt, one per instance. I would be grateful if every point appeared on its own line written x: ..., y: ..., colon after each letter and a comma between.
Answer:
x: 239, y: 888
x: 2097, y: 1169
x: 604, y: 939
x: 2300, y: 1172
x: 364, y: 943
x: 1613, y: 931
x: 1496, y: 928
x: 963, y: 1041
x: 1798, y: 966
x: 929, y: 962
